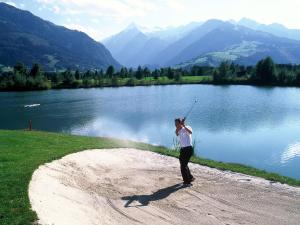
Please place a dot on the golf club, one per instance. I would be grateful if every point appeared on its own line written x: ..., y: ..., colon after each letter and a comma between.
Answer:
x: 190, y: 110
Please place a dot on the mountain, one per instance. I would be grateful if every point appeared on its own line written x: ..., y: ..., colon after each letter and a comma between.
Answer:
x: 27, y: 38
x: 245, y: 53
x: 167, y: 57
x: 207, y: 43
x: 274, y: 28
x: 132, y: 47
x: 240, y: 45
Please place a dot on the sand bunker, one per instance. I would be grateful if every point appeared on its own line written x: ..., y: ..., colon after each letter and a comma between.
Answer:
x: 128, y: 186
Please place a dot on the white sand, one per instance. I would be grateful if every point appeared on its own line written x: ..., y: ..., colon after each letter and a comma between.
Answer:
x: 128, y: 186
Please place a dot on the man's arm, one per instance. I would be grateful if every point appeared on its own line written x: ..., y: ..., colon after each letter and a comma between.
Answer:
x: 187, y: 129
x: 177, y: 131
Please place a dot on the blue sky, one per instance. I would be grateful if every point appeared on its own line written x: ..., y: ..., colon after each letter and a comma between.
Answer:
x: 102, y: 18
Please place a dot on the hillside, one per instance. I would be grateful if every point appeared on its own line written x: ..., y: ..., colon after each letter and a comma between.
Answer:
x: 29, y: 39
x: 240, y: 45
x: 209, y: 43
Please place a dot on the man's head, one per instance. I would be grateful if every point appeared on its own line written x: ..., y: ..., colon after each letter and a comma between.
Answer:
x: 178, y: 122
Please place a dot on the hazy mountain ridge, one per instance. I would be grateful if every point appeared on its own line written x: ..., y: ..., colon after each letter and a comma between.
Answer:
x: 145, y: 47
x: 274, y: 28
x: 29, y: 39
x: 214, y: 38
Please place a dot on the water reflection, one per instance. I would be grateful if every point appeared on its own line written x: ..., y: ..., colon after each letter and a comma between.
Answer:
x: 290, y: 153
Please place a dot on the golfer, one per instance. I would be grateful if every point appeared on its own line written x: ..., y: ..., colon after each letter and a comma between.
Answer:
x: 186, y: 150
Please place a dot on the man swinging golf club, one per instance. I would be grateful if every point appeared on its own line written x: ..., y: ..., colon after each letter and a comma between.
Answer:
x: 186, y: 151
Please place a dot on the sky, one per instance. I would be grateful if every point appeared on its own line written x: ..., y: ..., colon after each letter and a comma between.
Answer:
x: 103, y: 18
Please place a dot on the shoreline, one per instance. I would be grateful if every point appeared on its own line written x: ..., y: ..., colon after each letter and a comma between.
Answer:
x: 154, y: 83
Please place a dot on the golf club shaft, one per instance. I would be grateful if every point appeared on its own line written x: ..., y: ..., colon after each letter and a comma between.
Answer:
x: 187, y: 114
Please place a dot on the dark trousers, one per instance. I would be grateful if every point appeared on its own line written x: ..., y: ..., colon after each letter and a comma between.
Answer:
x: 185, y: 155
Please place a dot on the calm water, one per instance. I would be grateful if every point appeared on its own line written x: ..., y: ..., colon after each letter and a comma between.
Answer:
x: 249, y: 125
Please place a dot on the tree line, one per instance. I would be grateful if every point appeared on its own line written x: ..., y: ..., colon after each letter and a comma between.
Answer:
x: 265, y: 72
x: 21, y: 78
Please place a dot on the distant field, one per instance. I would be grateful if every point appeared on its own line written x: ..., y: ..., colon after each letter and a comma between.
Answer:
x: 118, y: 82
x: 162, y: 80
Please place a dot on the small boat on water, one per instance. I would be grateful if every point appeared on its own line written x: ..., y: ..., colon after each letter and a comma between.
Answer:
x: 32, y: 105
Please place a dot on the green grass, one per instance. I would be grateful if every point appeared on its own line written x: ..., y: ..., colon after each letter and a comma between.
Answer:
x: 146, y: 81
x: 21, y: 152
x: 166, y: 81
x: 162, y: 81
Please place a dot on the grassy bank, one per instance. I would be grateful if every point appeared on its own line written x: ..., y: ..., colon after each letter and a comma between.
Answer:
x: 147, y: 81
x: 115, y: 82
x: 21, y: 152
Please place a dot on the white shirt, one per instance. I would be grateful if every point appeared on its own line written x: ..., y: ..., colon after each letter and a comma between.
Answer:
x: 185, y: 137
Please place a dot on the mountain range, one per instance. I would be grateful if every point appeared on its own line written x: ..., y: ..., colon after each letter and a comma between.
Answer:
x: 206, y: 43
x: 29, y: 39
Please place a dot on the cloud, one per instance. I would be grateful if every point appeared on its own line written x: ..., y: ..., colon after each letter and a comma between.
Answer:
x: 100, y: 8
x: 11, y: 3
x: 100, y: 18
x: 56, y: 9
x: 175, y: 5
x: 91, y: 31
x: 111, y: 16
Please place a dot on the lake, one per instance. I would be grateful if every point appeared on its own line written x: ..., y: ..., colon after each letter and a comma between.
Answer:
x: 257, y: 126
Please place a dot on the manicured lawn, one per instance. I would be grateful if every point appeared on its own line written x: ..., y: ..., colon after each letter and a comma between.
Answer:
x: 21, y: 152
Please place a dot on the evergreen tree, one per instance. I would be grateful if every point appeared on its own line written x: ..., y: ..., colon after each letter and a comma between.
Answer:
x: 101, y: 74
x: 297, y: 78
x: 139, y: 73
x: 35, y: 70
x: 265, y: 71
x: 77, y: 75
x: 88, y: 74
x: 162, y: 72
x: 241, y: 71
x: 110, y: 71
x: 130, y: 72
x: 281, y: 77
x: 21, y: 68
x: 170, y: 73
x: 19, y: 81
x: 223, y: 70
x: 146, y: 72
x: 232, y: 69
x: 216, y: 76
x: 155, y: 74
x: 123, y: 72
x: 69, y: 78
x: 96, y: 75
